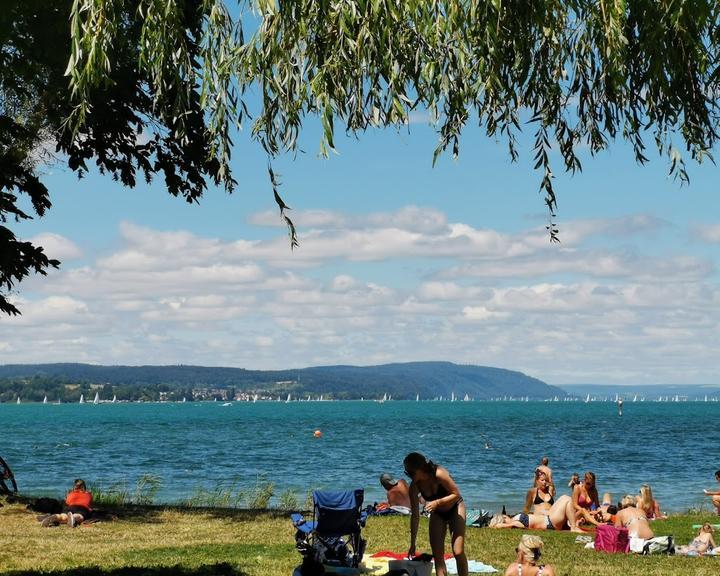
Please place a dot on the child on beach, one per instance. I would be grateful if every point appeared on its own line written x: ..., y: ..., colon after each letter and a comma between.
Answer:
x: 701, y: 544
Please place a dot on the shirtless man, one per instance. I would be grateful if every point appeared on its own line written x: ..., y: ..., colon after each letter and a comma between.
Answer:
x: 715, y: 494
x: 398, y: 491
x: 543, y: 467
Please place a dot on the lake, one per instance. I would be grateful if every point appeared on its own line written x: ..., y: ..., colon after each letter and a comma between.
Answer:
x: 670, y: 445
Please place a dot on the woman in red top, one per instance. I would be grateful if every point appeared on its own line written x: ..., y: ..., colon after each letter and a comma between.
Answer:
x: 78, y: 507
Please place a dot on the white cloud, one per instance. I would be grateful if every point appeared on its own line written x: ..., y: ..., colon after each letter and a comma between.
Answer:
x: 709, y: 233
x: 397, y: 286
x: 57, y: 246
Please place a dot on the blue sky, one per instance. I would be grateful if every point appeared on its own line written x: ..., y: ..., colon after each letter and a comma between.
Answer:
x: 398, y: 261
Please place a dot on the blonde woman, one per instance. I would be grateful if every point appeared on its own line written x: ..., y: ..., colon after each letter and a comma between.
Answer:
x: 633, y: 518
x: 541, y: 496
x: 528, y: 559
x: 648, y: 504
x: 701, y: 544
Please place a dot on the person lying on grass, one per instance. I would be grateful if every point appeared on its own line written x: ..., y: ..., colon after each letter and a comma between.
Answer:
x: 78, y: 507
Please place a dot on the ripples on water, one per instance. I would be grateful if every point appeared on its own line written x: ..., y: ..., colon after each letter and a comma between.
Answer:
x: 194, y: 445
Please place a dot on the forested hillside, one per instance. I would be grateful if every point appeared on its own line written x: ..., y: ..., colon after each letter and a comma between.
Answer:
x: 66, y: 382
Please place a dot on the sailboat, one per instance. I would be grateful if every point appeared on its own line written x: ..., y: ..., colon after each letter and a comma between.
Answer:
x: 466, y: 398
x: 115, y: 399
x: 635, y: 398
x: 97, y: 398
x: 18, y: 400
x: 288, y: 398
x: 82, y: 399
x: 45, y: 400
x: 417, y: 397
x: 452, y: 397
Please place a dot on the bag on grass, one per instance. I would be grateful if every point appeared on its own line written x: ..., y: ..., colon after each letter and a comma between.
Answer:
x: 612, y: 539
x: 659, y: 545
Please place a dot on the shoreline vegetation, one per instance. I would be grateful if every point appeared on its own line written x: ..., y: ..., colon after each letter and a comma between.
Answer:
x: 159, y: 540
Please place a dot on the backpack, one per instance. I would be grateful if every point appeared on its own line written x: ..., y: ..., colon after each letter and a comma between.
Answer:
x: 659, y: 545
x: 609, y: 538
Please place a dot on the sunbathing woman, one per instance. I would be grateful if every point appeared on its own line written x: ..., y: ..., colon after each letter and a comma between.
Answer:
x: 540, y: 497
x: 701, y: 543
x: 648, y: 504
x: 585, y: 496
x: 445, y: 505
x: 634, y: 519
x: 561, y: 516
x: 528, y: 558
x: 78, y: 507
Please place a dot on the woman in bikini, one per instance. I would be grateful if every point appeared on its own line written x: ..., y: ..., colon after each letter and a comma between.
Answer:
x: 445, y: 505
x: 585, y: 496
x: 701, y: 544
x: 527, y: 564
x: 634, y: 519
x: 561, y: 516
x: 541, y: 496
x: 648, y: 504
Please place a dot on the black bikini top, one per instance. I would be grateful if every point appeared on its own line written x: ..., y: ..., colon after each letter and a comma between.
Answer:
x: 539, y: 500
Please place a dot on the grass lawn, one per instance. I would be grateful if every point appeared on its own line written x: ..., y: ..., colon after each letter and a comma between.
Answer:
x: 202, y: 542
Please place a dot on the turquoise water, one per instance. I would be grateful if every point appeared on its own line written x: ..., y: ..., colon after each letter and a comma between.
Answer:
x: 669, y: 445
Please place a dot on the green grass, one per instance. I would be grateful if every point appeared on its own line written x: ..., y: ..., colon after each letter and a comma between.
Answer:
x: 158, y: 541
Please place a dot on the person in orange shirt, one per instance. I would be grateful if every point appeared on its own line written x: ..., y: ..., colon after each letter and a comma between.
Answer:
x: 78, y: 507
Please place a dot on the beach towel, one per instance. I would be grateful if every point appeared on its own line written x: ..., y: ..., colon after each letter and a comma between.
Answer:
x: 474, y: 567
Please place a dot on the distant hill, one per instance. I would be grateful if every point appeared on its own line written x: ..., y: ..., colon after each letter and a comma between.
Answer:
x: 648, y: 391
x: 401, y: 381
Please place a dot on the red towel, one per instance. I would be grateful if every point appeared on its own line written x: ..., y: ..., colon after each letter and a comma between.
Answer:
x: 398, y: 555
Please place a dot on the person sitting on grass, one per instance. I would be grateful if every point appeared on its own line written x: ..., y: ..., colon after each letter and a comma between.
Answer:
x: 585, y: 496
x: 648, y: 504
x: 715, y: 494
x: 634, y: 519
x: 701, y: 544
x: 78, y: 507
x: 541, y: 496
x: 527, y: 564
x: 398, y: 493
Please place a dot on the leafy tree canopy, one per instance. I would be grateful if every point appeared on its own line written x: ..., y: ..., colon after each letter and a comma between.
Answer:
x: 576, y: 73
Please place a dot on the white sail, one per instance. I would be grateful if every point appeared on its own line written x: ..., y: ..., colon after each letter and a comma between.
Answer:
x: 115, y: 398
x: 18, y: 400
x: 82, y: 399
x: 97, y: 398
x: 288, y: 398
x: 417, y: 397
x: 45, y: 400
x: 452, y: 397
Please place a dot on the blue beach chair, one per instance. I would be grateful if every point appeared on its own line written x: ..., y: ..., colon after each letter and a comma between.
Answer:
x: 333, y: 537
